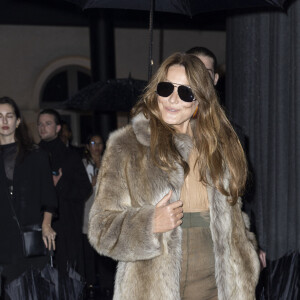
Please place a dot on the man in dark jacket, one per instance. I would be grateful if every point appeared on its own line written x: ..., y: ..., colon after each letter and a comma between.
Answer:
x: 73, y: 189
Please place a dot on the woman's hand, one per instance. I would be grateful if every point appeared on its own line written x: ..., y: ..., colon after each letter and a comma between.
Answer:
x: 262, y: 258
x: 167, y: 216
x: 47, y: 231
x: 48, y: 236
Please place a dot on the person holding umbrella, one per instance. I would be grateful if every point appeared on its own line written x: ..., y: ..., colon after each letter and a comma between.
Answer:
x: 168, y: 204
x: 28, y: 198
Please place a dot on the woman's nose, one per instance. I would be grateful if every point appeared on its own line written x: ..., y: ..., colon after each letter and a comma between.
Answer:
x: 174, y: 97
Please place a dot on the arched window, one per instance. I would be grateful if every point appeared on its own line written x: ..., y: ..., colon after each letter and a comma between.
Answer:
x: 62, y: 84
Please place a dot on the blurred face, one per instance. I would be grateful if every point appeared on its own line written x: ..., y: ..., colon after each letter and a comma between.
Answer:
x: 47, y: 128
x: 8, y: 123
x: 175, y: 111
x: 95, y: 146
x: 209, y: 65
x: 65, y: 134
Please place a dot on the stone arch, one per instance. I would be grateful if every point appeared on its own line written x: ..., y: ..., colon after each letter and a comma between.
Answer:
x: 51, y: 68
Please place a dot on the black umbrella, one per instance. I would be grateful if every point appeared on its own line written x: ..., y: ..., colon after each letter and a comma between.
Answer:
x: 186, y: 7
x: 29, y: 285
x: 1, y: 268
x: 281, y: 278
x: 46, y: 284
x: 113, y: 95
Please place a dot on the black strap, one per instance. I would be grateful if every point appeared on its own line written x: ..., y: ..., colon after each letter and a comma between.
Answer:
x: 10, y: 197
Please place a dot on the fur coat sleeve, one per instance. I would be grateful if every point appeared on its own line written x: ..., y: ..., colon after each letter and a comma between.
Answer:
x: 121, y: 217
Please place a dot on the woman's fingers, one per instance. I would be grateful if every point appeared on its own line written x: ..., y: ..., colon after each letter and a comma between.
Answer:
x: 53, y: 244
x: 45, y: 241
x: 167, y: 216
x: 164, y: 201
x: 49, y: 236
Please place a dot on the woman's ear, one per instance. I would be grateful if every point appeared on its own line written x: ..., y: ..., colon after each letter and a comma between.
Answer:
x: 18, y: 122
x: 216, y: 79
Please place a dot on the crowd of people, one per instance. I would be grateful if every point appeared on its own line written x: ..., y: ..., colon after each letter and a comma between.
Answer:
x: 48, y: 185
x: 163, y: 200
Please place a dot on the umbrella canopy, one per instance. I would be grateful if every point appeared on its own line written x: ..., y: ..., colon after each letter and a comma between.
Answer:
x: 191, y: 7
x: 113, y: 95
x: 280, y: 279
x: 186, y: 7
x: 46, y: 284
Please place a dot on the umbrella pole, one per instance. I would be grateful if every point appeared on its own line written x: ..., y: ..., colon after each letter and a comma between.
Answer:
x: 150, y: 61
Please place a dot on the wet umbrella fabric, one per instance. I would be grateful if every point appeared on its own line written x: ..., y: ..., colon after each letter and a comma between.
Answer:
x: 113, y: 95
x: 280, y: 279
x: 190, y: 8
x: 46, y: 284
x: 186, y: 7
x: 30, y: 285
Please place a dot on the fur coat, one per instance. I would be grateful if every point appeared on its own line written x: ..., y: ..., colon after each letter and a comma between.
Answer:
x: 120, y: 224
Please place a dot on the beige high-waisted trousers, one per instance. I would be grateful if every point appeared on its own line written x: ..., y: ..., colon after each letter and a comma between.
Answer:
x: 197, y: 280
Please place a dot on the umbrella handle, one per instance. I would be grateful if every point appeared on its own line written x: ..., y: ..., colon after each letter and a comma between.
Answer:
x: 51, y: 254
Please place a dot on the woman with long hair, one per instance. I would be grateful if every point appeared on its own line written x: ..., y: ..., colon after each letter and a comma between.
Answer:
x: 28, y: 199
x: 168, y: 201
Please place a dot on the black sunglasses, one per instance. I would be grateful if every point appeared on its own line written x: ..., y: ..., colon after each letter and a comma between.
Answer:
x: 165, y: 89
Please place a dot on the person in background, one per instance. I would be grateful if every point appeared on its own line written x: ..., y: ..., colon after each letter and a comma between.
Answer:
x: 95, y: 264
x: 210, y: 62
x: 26, y: 190
x: 73, y: 189
x: 168, y: 200
x: 92, y: 159
x: 66, y: 135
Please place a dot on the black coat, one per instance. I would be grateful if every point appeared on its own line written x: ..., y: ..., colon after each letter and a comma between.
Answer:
x: 73, y: 189
x: 33, y: 194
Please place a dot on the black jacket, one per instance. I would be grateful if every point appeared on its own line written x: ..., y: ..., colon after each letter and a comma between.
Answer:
x: 73, y: 189
x: 34, y: 193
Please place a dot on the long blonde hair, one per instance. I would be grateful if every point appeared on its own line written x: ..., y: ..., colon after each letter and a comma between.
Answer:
x: 217, y: 143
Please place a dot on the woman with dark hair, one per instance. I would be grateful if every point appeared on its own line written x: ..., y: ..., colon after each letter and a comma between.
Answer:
x: 104, y: 267
x: 28, y: 197
x: 168, y: 205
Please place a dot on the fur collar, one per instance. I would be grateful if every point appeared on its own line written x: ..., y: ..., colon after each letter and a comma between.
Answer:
x: 141, y: 128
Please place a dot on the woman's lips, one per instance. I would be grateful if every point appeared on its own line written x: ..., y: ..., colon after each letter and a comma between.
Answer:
x: 5, y: 127
x: 171, y: 110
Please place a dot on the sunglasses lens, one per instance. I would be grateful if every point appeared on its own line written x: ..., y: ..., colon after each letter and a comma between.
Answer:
x: 185, y: 93
x: 165, y: 89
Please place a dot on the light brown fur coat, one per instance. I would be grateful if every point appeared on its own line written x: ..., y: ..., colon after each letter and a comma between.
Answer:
x: 129, y: 187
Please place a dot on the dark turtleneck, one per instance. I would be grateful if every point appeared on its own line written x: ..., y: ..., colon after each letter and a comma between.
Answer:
x: 56, y: 149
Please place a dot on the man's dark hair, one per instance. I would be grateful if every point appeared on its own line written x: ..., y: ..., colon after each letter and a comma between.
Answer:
x: 53, y: 112
x: 204, y: 52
